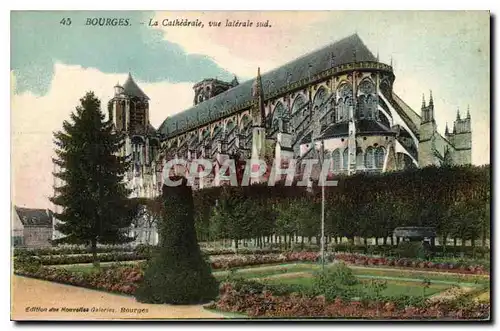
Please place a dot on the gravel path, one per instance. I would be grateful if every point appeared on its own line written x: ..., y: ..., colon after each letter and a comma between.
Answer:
x: 32, y: 299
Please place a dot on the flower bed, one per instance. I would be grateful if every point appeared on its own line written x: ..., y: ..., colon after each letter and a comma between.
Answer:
x: 233, y: 261
x: 145, y: 250
x: 265, y: 303
x: 106, y: 257
x: 118, y: 279
x: 225, y: 262
x: 70, y: 250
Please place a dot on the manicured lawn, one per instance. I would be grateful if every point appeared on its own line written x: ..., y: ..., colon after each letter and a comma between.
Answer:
x: 366, y: 272
x: 267, y: 270
x: 394, y: 288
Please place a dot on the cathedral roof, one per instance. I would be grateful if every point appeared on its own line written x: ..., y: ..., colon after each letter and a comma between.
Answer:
x: 131, y: 88
x: 347, y: 50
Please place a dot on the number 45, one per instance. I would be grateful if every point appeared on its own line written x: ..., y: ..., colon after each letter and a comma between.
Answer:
x: 65, y: 21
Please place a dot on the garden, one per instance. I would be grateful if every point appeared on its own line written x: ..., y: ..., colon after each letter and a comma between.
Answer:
x: 254, y: 250
x: 295, y: 285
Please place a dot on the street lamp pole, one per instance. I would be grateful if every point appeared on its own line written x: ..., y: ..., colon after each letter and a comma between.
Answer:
x: 322, y: 156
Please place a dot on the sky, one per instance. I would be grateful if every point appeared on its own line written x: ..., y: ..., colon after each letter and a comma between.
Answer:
x: 53, y: 65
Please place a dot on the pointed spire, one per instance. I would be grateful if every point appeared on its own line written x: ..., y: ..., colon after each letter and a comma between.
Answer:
x: 235, y: 81
x: 468, y: 112
x: 332, y: 60
x: 131, y: 88
x: 423, y: 100
x: 391, y: 60
x: 446, y: 131
x: 431, y: 101
x: 377, y: 56
x: 458, y: 114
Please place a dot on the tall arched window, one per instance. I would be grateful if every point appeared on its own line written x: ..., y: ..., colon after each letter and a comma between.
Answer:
x: 367, y: 88
x: 345, y: 158
x: 245, y: 131
x: 216, y: 132
x: 340, y: 110
x: 369, y: 111
x: 379, y: 157
x: 336, y: 160
x: 319, y: 99
x: 230, y: 131
x: 333, y: 114
x: 369, y: 158
x: 361, y: 110
x: 278, y: 114
x: 345, y: 101
x: 347, y: 108
x: 359, y: 159
x: 298, y: 103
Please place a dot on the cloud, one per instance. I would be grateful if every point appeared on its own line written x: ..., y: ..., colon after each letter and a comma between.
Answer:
x: 35, y: 118
x: 241, y: 50
x: 39, y: 41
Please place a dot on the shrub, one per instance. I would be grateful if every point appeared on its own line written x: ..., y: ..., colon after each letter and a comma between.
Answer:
x: 177, y: 273
x: 334, y: 282
x: 27, y: 262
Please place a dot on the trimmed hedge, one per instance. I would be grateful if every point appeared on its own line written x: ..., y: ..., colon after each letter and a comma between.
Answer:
x: 177, y: 272
x: 106, y: 257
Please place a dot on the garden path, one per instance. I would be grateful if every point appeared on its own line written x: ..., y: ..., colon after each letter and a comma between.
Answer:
x: 32, y: 294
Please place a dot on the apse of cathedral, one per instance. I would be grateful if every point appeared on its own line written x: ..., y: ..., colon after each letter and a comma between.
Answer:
x: 339, y: 97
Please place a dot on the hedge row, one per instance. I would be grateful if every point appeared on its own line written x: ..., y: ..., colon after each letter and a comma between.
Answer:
x: 119, y: 279
x: 105, y: 257
x: 258, y: 300
x: 453, y: 200
x: 385, y: 250
x: 70, y: 250
x: 139, y: 249
x: 233, y: 261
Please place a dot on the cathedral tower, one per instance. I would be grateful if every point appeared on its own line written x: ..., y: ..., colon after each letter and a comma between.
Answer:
x: 461, y: 138
x: 427, y: 131
x: 129, y: 108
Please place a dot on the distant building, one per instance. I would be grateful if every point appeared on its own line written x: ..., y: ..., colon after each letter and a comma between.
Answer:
x: 32, y: 228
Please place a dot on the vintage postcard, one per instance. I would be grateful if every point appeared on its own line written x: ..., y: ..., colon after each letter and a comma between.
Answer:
x: 184, y: 165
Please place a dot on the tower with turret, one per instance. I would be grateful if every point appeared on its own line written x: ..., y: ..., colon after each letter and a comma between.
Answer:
x: 454, y: 148
x: 461, y: 139
x: 427, y: 133
x: 129, y: 112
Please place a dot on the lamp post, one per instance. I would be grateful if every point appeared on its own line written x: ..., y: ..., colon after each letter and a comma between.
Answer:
x: 322, y: 158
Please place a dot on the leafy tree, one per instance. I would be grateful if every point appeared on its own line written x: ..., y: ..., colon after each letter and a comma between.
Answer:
x: 94, y: 197
x: 231, y: 217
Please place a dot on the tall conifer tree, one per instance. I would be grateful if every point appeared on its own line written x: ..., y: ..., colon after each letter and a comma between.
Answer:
x: 93, y: 197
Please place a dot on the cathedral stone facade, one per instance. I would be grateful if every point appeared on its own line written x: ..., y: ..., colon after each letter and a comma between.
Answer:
x: 340, y: 96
